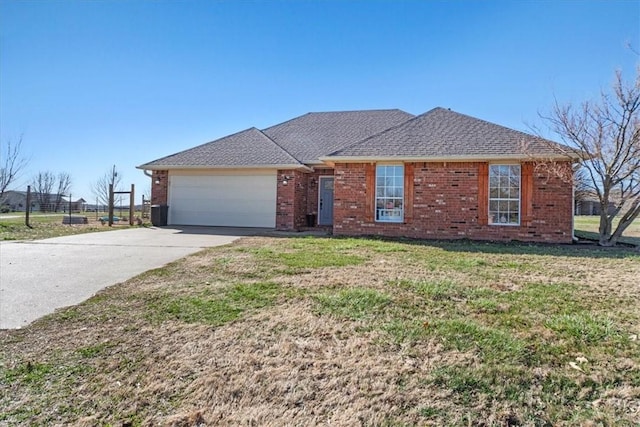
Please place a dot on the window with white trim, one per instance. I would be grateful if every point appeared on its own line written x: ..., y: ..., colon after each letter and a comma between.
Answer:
x: 504, y: 194
x: 390, y: 193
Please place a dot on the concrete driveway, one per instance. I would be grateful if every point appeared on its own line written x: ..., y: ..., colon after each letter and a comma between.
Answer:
x: 36, y: 277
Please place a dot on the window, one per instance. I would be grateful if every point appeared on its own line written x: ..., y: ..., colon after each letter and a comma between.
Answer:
x: 390, y: 193
x: 504, y: 194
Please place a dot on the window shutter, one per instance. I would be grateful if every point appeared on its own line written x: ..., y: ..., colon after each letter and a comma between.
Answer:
x: 526, y: 194
x: 408, y: 192
x: 483, y: 193
x: 370, y: 191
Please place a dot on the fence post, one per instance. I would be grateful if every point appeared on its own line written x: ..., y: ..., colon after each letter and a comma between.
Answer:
x: 132, y: 204
x: 28, y: 209
x: 110, y: 205
x: 70, y: 222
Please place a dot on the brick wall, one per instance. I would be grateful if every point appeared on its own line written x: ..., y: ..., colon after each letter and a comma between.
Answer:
x: 159, y: 192
x: 297, y: 198
x: 291, y: 200
x: 445, y: 205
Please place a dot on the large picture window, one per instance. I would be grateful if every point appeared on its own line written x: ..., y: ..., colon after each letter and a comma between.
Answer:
x: 390, y: 193
x: 504, y: 194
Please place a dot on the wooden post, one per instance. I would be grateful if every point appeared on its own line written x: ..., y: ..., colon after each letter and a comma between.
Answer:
x: 110, y: 205
x: 70, y: 222
x: 28, y: 210
x: 132, y: 204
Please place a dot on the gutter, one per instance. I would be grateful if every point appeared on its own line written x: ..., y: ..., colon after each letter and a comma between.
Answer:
x: 475, y: 158
x: 223, y: 167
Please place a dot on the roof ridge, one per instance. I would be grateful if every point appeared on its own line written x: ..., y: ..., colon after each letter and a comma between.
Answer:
x: 357, y: 111
x: 528, y: 135
x: 334, y: 112
x: 362, y: 141
x: 278, y: 145
x: 286, y: 121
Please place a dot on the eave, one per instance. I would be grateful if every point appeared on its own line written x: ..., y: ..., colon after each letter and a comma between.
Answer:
x: 217, y: 167
x: 330, y: 160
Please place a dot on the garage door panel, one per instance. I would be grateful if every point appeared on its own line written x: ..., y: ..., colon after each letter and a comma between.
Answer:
x: 223, y: 200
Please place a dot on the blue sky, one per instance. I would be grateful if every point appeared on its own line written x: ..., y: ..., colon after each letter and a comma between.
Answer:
x: 91, y: 84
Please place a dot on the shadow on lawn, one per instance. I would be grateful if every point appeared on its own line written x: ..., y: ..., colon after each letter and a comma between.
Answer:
x: 581, y: 250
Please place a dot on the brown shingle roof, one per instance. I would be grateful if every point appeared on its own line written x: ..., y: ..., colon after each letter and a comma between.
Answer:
x: 372, y: 134
x: 246, y: 148
x: 441, y: 133
x: 314, y: 135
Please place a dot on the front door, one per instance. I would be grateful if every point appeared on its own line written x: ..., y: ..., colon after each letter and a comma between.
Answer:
x: 325, y: 216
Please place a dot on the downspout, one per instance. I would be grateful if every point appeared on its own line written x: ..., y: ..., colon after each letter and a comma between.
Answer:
x: 574, y: 239
x: 149, y: 174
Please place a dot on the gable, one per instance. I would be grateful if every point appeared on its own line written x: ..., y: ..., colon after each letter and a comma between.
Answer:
x: 441, y: 134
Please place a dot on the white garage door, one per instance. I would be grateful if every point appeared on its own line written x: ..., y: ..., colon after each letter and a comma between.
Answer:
x: 223, y: 200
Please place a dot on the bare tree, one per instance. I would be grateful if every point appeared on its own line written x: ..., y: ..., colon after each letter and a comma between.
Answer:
x: 13, y: 163
x: 64, y: 186
x: 607, y: 133
x: 42, y: 185
x: 101, y: 186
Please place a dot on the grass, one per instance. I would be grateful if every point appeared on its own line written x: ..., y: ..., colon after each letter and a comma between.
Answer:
x: 44, y: 226
x: 587, y: 227
x: 354, y: 304
x: 215, y: 308
x: 308, y: 331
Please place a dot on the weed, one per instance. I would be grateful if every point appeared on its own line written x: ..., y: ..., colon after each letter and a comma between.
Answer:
x: 430, y: 412
x: 406, y: 330
x: 354, y: 304
x: 215, y: 309
x: 466, y: 383
x: 91, y: 351
x: 491, y: 344
x: 28, y: 372
x: 583, y: 328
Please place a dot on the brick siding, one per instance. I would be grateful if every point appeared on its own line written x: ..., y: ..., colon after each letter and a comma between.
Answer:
x: 297, y: 198
x: 445, y: 205
x: 159, y: 192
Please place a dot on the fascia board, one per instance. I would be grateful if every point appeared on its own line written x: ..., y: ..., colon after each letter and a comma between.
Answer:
x: 500, y: 157
x: 176, y: 167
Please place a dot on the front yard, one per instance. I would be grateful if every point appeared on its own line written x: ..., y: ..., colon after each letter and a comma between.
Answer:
x: 310, y: 331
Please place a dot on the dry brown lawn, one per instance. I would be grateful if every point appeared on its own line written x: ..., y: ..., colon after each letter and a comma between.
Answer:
x: 319, y: 331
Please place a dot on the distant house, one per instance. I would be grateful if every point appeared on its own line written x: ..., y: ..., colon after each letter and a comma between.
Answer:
x: 16, y: 201
x: 13, y: 201
x: 588, y: 203
x: 79, y: 205
x: 438, y: 175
